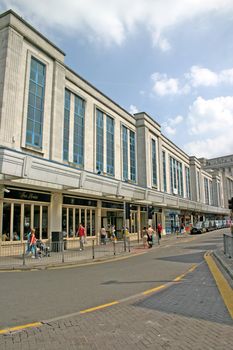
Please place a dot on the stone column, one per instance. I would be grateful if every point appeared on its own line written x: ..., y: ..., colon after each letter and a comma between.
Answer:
x: 56, y: 212
x: 98, y: 221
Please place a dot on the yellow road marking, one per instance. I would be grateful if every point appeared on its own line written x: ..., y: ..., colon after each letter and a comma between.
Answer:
x: 154, y: 289
x: 19, y: 328
x: 178, y: 278
x: 99, y: 307
x: 192, y: 268
x: 222, y: 284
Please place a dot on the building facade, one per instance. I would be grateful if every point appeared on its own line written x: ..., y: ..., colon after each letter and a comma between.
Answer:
x: 70, y: 154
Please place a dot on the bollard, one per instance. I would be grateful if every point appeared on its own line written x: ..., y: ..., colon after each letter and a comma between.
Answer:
x: 114, y: 248
x: 93, y: 249
x: 62, y: 251
x: 24, y: 254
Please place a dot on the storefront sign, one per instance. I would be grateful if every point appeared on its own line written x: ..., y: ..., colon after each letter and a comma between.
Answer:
x: 112, y: 205
x: 79, y: 201
x: 28, y: 196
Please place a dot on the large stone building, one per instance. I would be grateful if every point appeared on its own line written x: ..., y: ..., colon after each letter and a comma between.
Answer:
x: 68, y: 153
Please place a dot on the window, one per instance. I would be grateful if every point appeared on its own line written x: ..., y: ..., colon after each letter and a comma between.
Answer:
x: 187, y: 179
x: 35, y: 104
x: 79, y: 112
x: 132, y: 157
x: 206, y: 188
x: 164, y: 172
x: 129, y: 154
x: 176, y: 177
x: 99, y: 141
x: 125, y: 152
x: 110, y: 146
x: 154, y: 164
x: 198, y: 186
x: 66, y: 126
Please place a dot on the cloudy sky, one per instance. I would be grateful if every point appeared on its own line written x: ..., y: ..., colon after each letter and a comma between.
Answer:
x: 170, y: 58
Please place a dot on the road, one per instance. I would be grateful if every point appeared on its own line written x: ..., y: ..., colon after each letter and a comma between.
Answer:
x: 34, y: 296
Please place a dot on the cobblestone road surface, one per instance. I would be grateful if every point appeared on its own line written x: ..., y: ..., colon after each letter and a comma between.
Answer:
x: 189, y: 315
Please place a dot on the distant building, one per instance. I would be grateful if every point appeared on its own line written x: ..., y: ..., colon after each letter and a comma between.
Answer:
x: 69, y: 154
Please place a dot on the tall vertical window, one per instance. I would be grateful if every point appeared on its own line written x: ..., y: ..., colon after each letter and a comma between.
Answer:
x: 79, y: 112
x: 35, y: 104
x: 66, y: 129
x: 198, y: 186
x: 110, y: 145
x: 125, y: 152
x: 99, y: 141
x: 176, y: 176
x: 164, y: 172
x: 132, y: 156
x: 211, y: 192
x: 206, y: 188
x: 187, y: 180
x: 154, y: 164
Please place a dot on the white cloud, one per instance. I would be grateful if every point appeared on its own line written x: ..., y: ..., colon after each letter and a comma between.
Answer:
x: 199, y: 76
x: 210, y: 124
x: 168, y: 86
x: 133, y: 109
x: 110, y: 22
x: 170, y: 126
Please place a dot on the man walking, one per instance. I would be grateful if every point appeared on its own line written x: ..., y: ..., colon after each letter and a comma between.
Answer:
x: 81, y: 235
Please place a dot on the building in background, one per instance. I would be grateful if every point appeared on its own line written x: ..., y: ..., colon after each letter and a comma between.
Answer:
x: 69, y: 154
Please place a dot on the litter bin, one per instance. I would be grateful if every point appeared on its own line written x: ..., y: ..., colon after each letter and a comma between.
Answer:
x: 57, y: 240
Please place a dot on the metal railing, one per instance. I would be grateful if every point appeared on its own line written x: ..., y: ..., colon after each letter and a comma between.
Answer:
x: 54, y: 253
x: 228, y: 245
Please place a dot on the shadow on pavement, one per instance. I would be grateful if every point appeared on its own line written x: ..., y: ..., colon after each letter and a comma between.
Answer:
x: 196, y: 296
x: 194, y: 258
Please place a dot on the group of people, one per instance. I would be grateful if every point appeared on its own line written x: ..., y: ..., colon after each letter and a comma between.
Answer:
x: 149, y: 235
x: 104, y: 234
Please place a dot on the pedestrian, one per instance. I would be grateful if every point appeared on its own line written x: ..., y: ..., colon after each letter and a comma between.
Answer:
x: 28, y: 250
x: 33, y: 240
x: 150, y: 233
x: 81, y: 235
x: 113, y: 233
x: 159, y: 230
x: 103, y: 235
x: 144, y: 237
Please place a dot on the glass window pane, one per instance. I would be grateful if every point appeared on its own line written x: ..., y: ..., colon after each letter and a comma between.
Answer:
x: 6, y: 221
x: 16, y: 222
x: 64, y: 221
x: 93, y: 222
x: 70, y: 231
x: 37, y: 220
x: 88, y: 223
x: 27, y: 220
x: 45, y: 223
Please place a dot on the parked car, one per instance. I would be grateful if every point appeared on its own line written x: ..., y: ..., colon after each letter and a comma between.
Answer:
x: 197, y: 229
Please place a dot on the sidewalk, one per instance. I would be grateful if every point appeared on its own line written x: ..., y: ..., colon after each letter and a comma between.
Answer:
x: 75, y: 256
x: 226, y: 263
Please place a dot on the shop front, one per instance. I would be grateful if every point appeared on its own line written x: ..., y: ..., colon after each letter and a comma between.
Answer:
x: 23, y: 209
x: 172, y: 220
x: 75, y: 211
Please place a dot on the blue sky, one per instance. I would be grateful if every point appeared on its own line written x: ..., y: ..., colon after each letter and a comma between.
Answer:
x: 170, y: 58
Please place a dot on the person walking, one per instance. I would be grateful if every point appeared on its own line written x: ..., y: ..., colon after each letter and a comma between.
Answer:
x: 144, y: 237
x: 81, y: 235
x: 159, y: 231
x: 33, y: 244
x: 150, y: 233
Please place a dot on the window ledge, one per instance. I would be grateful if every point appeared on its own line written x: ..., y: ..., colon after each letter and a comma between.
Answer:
x: 35, y: 150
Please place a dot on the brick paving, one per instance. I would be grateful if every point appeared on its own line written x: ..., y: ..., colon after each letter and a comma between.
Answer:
x: 189, y: 315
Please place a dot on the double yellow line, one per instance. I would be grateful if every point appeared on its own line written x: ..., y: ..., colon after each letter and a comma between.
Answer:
x: 222, y: 284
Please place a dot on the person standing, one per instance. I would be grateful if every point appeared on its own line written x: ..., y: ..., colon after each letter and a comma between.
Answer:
x: 103, y: 235
x: 81, y: 235
x: 159, y: 230
x: 144, y: 237
x: 150, y: 233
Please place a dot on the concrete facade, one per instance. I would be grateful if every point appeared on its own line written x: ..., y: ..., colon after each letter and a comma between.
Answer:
x: 42, y: 170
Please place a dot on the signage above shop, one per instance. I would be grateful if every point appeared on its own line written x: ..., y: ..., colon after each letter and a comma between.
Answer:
x: 79, y: 201
x: 112, y: 205
x: 27, y: 195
